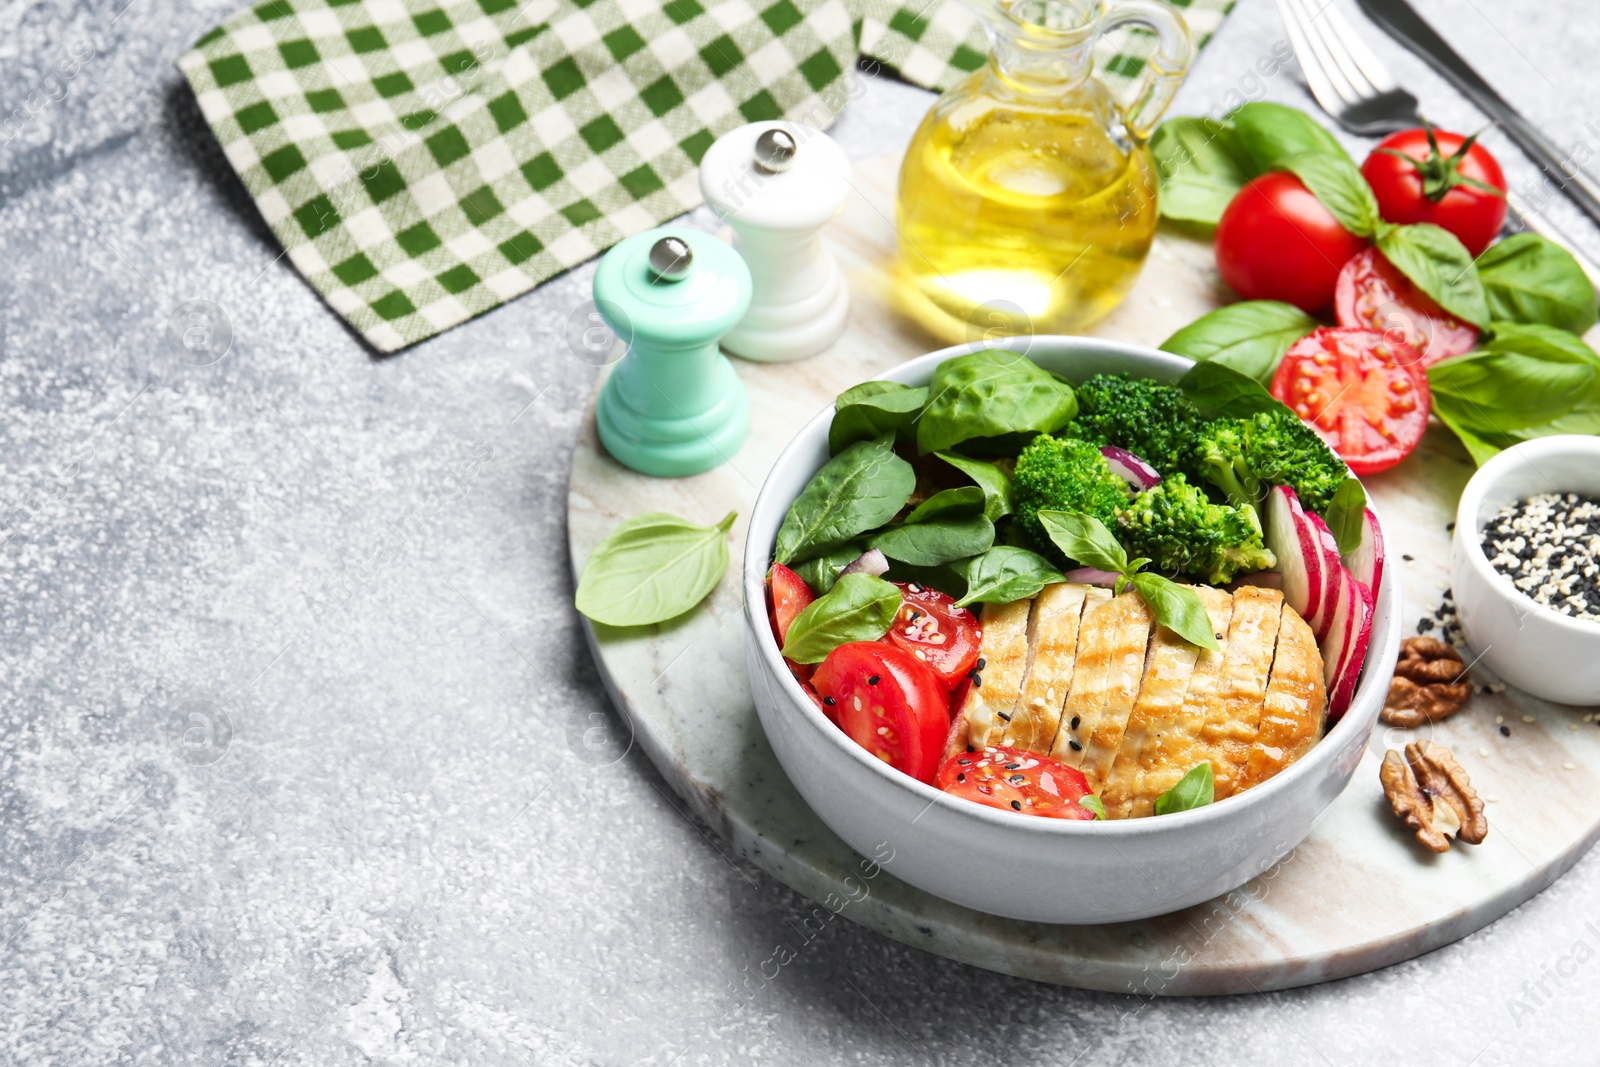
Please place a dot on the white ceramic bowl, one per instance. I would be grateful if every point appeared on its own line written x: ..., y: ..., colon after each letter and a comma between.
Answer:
x: 1533, y: 647
x: 1024, y: 867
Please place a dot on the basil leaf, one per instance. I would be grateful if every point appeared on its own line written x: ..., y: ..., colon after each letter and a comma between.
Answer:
x: 993, y: 480
x: 1005, y: 574
x: 1249, y: 337
x: 651, y: 568
x: 1480, y: 450
x: 965, y: 500
x: 859, y: 607
x: 1085, y: 539
x: 1200, y: 165
x: 1272, y: 133
x: 858, y: 490
x: 936, y: 541
x: 1338, y: 186
x: 1440, y: 265
x: 1194, y: 790
x: 1178, y: 608
x: 1094, y: 804
x: 1504, y: 392
x: 820, y: 572
x: 1223, y: 392
x: 1347, y: 514
x: 1542, y: 342
x: 873, y: 409
x: 1527, y: 278
x: 988, y: 394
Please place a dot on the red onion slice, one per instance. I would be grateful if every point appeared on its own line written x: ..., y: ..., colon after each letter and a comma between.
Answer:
x: 1135, y: 471
x: 1091, y: 576
x: 870, y: 562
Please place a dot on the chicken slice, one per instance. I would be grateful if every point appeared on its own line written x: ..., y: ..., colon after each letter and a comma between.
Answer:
x: 1292, y: 714
x: 997, y: 686
x: 1160, y: 744
x: 1112, y: 643
x: 1233, y: 717
x: 1053, y: 637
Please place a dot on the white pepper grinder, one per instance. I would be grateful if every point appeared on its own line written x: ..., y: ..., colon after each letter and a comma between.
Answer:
x: 777, y: 184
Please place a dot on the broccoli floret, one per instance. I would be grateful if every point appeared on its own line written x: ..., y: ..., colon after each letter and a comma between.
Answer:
x: 1155, y: 422
x: 1178, y: 527
x: 1245, y: 457
x: 1064, y: 474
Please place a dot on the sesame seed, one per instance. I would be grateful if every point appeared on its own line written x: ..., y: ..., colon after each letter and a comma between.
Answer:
x: 1016, y: 805
x: 1529, y: 718
x: 1505, y: 731
x: 1569, y: 766
x: 829, y: 701
x: 1075, y: 721
x: 1077, y: 746
x: 875, y: 679
x: 1483, y: 752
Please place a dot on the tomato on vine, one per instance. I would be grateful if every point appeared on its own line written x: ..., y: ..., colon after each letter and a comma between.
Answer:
x: 1429, y: 175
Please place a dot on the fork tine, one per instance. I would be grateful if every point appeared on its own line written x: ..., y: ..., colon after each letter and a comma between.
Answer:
x: 1346, y: 77
x: 1370, y: 65
x: 1311, y: 64
x: 1320, y: 18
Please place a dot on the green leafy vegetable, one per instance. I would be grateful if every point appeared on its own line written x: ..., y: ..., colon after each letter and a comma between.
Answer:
x: 1194, y: 790
x: 1527, y: 278
x: 858, y: 490
x: 1249, y: 337
x: 1085, y: 539
x: 820, y: 572
x: 1221, y: 391
x: 990, y: 394
x: 872, y: 409
x: 1178, y: 608
x: 1347, y: 514
x: 859, y: 607
x: 1334, y: 180
x: 936, y: 541
x: 964, y: 500
x: 1200, y: 165
x: 651, y: 568
x: 995, y: 483
x: 1272, y: 133
x: 1005, y: 574
x: 1094, y: 804
x: 1440, y: 265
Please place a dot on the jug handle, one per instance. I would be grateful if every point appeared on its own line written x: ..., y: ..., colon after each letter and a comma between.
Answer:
x: 1164, y: 71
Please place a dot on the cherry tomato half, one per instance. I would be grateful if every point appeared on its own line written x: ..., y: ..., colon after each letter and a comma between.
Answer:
x: 935, y: 631
x: 1276, y: 241
x: 1428, y: 185
x: 1366, y: 394
x: 1372, y: 294
x: 787, y: 596
x: 1013, y: 780
x: 889, y: 702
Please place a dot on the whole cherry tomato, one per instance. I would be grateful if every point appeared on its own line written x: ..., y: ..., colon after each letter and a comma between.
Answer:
x: 1429, y: 175
x: 1276, y: 241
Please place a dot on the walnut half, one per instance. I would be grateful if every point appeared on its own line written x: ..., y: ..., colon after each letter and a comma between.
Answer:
x: 1428, y: 684
x: 1432, y: 795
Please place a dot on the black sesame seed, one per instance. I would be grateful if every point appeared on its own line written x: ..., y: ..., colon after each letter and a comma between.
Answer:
x: 1076, y: 746
x: 981, y: 664
x: 961, y: 776
x: 1004, y: 716
x: 875, y: 679
x: 1408, y: 557
x: 1016, y: 805
x: 965, y: 762
x: 1019, y: 778
x: 1013, y: 766
x: 1505, y: 731
x: 829, y: 701
x: 915, y: 615
x: 1075, y: 721
x: 977, y: 681
x: 1449, y: 527
x: 1424, y: 625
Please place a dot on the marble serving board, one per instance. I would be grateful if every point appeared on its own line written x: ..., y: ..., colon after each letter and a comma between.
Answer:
x: 1358, y: 894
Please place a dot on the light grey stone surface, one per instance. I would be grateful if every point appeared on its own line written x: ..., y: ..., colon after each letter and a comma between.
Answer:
x: 424, y: 840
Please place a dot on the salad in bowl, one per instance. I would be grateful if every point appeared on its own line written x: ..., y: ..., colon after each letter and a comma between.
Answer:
x: 1041, y: 599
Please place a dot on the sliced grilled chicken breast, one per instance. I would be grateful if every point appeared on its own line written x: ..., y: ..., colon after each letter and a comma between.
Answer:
x: 1053, y: 636
x: 992, y: 699
x: 1162, y: 742
x: 1296, y: 702
x: 1110, y: 665
x: 1232, y: 719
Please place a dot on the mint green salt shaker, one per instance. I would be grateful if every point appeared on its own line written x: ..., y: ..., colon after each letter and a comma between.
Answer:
x: 673, y: 405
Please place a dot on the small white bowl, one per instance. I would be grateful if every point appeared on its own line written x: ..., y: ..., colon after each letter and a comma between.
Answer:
x: 1024, y: 867
x: 1536, y: 648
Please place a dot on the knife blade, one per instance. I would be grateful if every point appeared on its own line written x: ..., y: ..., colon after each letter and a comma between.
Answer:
x: 1401, y: 21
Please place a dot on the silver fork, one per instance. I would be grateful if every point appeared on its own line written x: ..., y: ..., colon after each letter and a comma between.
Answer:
x: 1357, y: 90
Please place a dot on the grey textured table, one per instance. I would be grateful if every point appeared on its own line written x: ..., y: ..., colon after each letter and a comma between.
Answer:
x: 414, y: 832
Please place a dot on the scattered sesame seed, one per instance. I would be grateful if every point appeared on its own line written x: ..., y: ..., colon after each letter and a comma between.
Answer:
x: 1505, y: 731
x: 1407, y: 557
x: 1569, y: 766
x: 1077, y: 746
x: 1075, y: 721
x: 1491, y: 800
x: 829, y: 701
x: 981, y: 664
x: 1005, y: 717
x: 1498, y: 719
x: 875, y: 679
x: 1016, y: 805
x: 1529, y: 718
x: 1572, y: 726
x: 1483, y: 752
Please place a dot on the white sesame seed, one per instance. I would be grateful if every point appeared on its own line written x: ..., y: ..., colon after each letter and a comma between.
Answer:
x: 1483, y: 752
x: 1569, y: 766
x: 1529, y: 718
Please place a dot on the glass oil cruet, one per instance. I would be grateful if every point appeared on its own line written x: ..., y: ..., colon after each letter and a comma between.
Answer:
x: 1027, y: 196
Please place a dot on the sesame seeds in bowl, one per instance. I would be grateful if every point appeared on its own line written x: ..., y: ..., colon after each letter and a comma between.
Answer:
x: 1548, y: 545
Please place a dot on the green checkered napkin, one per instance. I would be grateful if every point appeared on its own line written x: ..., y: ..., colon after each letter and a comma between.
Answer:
x: 425, y: 161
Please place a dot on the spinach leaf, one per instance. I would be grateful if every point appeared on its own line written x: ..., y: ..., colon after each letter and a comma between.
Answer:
x: 1347, y: 514
x: 1194, y: 790
x: 859, y: 607
x: 1527, y: 278
x: 1440, y: 265
x: 873, y: 409
x: 1200, y: 165
x: 1250, y: 337
x: 858, y: 490
x: 1006, y: 573
x: 936, y: 541
x: 993, y: 480
x: 1177, y: 607
x: 1223, y: 392
x: 1272, y: 133
x: 1085, y: 539
x: 965, y: 500
x: 820, y: 572
x: 988, y: 394
x: 651, y: 568
x: 1334, y: 180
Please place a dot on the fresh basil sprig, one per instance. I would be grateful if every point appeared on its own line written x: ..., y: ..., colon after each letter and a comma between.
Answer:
x: 858, y: 490
x: 1346, y: 515
x: 1006, y: 573
x: 1194, y: 790
x: 872, y: 409
x: 1529, y: 279
x: 1334, y: 180
x: 859, y: 607
x: 1271, y: 133
x: 651, y: 568
x: 1177, y: 607
x: 991, y: 394
x: 1223, y: 392
x: 995, y: 483
x: 1200, y: 165
x: 1250, y: 337
x: 1440, y: 265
